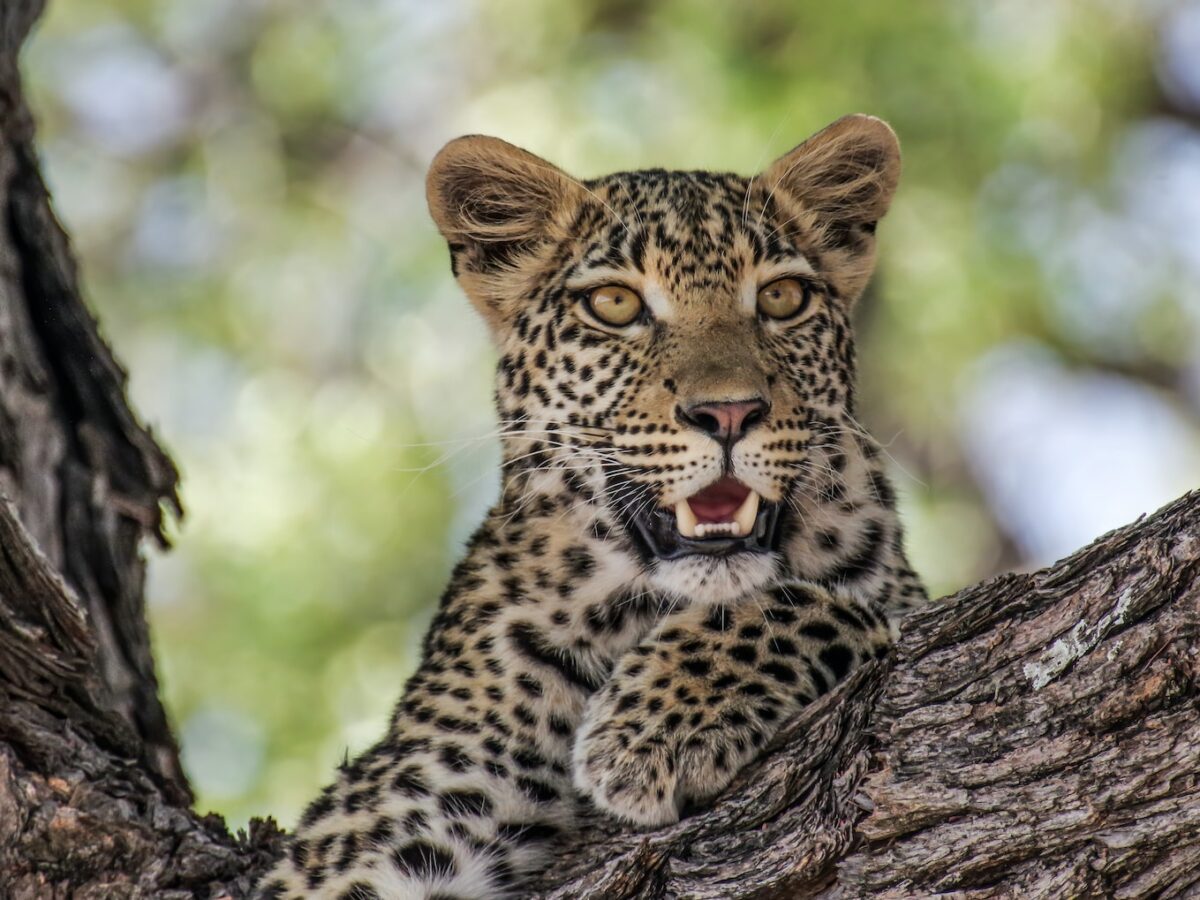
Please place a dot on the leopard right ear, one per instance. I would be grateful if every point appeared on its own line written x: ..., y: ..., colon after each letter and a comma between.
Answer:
x: 495, y: 204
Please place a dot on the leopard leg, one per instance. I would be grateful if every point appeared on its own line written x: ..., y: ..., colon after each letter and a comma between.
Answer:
x: 427, y: 816
x: 696, y: 700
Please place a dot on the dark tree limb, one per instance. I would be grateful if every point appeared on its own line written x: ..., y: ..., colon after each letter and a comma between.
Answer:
x: 82, y: 814
x: 1034, y: 736
x: 87, y: 479
x: 93, y: 801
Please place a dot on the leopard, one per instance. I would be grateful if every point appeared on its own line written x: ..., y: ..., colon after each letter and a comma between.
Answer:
x: 694, y: 537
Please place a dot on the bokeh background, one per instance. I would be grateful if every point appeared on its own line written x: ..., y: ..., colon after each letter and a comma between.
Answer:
x: 243, y: 180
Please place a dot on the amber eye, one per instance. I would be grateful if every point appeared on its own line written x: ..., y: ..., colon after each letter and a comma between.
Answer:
x: 783, y: 299
x: 614, y: 304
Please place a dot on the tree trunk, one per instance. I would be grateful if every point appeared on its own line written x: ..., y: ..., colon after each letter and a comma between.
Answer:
x: 93, y: 802
x: 1034, y: 736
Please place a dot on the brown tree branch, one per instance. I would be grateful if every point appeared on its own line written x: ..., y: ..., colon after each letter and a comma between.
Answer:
x: 1034, y: 736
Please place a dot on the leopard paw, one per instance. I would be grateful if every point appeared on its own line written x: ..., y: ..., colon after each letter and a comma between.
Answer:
x: 628, y: 775
x: 710, y: 757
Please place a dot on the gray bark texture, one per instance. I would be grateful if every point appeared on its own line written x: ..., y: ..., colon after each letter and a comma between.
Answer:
x: 93, y: 801
x: 1034, y: 736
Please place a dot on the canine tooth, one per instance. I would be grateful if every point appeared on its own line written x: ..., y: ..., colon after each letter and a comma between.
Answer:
x: 743, y: 519
x: 685, y: 520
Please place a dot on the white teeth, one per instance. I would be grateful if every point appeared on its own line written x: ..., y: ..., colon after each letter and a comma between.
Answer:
x: 685, y: 520
x: 746, y: 514
x: 741, y: 525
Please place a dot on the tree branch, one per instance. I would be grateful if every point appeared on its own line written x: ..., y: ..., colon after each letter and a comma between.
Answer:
x: 1035, y: 736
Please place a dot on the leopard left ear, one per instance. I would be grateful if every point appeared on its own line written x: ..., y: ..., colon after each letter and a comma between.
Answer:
x: 845, y: 175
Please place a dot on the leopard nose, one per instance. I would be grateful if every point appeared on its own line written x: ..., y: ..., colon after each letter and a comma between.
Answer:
x: 728, y: 421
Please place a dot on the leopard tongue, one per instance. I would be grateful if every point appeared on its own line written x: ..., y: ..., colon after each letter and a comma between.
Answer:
x: 740, y: 525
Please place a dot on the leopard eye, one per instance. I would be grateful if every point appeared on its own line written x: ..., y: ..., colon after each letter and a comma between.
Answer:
x: 614, y: 304
x: 784, y: 299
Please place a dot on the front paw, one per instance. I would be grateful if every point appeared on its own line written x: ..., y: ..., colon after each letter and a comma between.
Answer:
x: 629, y: 775
x: 646, y: 764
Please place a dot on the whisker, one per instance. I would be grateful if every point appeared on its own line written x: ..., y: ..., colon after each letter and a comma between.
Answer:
x: 762, y: 159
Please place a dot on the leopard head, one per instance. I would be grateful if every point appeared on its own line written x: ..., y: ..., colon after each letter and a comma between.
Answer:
x: 673, y: 346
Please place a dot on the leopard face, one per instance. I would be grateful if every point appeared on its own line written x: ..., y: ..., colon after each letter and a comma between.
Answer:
x: 675, y: 346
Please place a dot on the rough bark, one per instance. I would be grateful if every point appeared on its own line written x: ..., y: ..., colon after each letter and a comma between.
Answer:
x: 93, y: 802
x: 1035, y: 736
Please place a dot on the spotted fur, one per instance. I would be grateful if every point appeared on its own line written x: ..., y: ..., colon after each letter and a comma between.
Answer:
x: 568, y: 668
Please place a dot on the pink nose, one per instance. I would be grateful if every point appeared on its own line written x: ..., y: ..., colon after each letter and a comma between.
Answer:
x: 728, y: 422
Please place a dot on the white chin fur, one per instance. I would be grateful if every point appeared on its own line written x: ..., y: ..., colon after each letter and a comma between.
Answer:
x: 707, y: 580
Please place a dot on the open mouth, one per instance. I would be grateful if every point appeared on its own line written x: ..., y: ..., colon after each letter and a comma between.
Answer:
x: 725, y: 518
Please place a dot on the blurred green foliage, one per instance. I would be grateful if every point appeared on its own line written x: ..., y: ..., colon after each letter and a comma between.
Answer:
x: 243, y: 180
